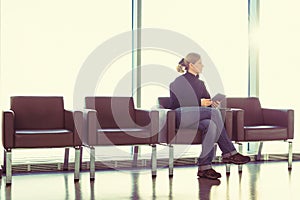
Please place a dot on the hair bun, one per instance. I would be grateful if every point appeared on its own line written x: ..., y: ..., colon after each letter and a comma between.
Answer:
x: 181, y: 62
x: 180, y: 68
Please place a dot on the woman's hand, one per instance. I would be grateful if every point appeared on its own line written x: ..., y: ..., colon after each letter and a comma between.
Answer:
x: 206, y: 102
x: 215, y: 104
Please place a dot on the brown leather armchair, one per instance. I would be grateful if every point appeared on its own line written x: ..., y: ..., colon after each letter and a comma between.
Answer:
x: 170, y: 135
x: 115, y: 121
x: 252, y: 123
x: 40, y: 122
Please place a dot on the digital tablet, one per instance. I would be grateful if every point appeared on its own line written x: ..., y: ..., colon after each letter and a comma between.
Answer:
x: 218, y: 97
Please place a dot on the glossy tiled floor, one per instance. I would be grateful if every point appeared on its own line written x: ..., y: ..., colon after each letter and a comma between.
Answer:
x: 263, y: 180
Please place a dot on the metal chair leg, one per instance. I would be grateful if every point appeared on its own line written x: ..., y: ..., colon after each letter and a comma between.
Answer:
x: 240, y: 167
x: 8, y: 167
x: 135, y: 156
x: 66, y: 159
x: 171, y: 160
x: 77, y: 164
x: 4, y: 163
x: 227, y: 168
x: 215, y: 150
x: 80, y: 158
x: 290, y: 156
x: 258, y: 156
x: 154, y: 161
x: 92, y: 163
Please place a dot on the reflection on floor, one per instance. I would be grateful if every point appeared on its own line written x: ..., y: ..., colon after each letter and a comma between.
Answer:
x: 261, y: 180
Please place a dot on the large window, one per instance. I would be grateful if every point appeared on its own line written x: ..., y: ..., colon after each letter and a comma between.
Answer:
x: 45, y: 43
x: 218, y: 29
x: 279, y: 61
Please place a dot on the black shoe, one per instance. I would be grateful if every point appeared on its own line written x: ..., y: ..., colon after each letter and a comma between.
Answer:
x: 236, y: 159
x: 209, y: 173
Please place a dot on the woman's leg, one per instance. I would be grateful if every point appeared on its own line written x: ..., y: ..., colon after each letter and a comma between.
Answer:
x: 199, y: 118
x: 223, y: 140
x: 189, y: 117
x: 229, y: 153
x: 202, y: 118
x: 209, y: 130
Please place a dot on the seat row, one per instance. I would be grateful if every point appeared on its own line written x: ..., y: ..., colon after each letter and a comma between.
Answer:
x: 43, y: 122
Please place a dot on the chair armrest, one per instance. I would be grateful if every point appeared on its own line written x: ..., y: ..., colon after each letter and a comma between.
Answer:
x: 280, y: 117
x: 149, y: 119
x: 8, y: 129
x: 142, y: 117
x: 171, y: 117
x: 227, y: 116
x: 69, y: 120
x: 238, y: 133
x: 167, y: 125
x: 90, y: 125
x: 74, y: 122
x: 163, y: 127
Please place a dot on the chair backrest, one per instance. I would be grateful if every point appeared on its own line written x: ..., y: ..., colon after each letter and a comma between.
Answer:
x: 252, y: 109
x: 113, y: 112
x: 38, y: 112
x: 164, y: 102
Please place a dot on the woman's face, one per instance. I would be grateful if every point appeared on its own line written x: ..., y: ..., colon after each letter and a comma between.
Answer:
x: 198, y: 66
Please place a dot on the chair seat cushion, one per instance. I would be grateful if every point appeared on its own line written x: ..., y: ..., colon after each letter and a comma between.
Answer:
x: 43, y: 138
x: 124, y: 136
x: 265, y: 132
